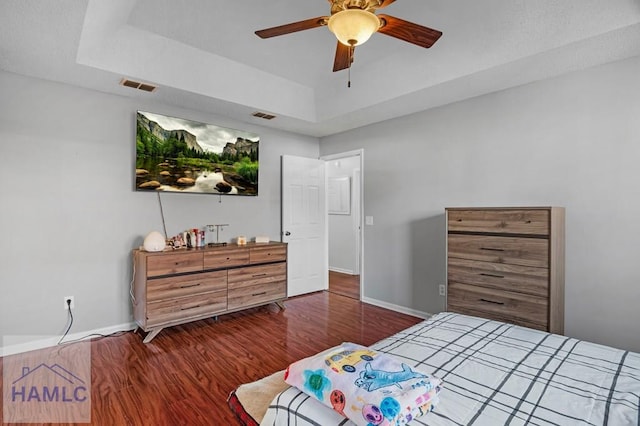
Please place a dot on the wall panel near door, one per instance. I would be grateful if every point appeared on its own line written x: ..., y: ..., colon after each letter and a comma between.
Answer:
x: 507, y: 264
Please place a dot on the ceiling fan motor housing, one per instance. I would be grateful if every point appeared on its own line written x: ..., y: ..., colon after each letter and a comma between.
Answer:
x: 369, y: 5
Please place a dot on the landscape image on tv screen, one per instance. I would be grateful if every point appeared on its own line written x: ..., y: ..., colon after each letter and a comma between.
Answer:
x: 178, y: 155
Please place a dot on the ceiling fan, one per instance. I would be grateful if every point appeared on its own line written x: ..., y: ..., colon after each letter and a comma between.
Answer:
x: 353, y: 22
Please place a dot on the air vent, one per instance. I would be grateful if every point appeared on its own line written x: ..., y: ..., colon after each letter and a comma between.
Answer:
x: 263, y: 115
x: 138, y: 85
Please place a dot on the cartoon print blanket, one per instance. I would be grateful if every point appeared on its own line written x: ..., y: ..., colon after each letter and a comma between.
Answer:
x: 368, y: 387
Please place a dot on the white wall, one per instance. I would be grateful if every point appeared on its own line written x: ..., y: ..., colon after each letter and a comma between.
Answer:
x: 70, y: 216
x: 342, y: 227
x: 570, y: 141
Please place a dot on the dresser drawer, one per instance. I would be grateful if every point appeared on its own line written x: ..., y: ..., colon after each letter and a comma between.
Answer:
x: 497, y: 317
x: 505, y: 305
x: 174, y: 263
x: 181, y: 308
x: 245, y: 277
x: 185, y: 285
x: 523, y: 279
x: 268, y: 254
x: 498, y: 249
x: 530, y: 222
x: 226, y: 258
x: 256, y: 294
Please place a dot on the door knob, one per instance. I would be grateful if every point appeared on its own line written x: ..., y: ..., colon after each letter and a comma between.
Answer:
x: 287, y: 233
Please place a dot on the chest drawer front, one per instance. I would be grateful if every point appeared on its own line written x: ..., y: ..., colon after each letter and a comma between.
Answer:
x: 268, y: 254
x: 499, y: 276
x: 518, y: 278
x: 498, y: 317
x: 166, y: 311
x: 509, y: 250
x: 534, y: 222
x: 225, y: 259
x: 185, y: 285
x: 256, y: 294
x: 499, y: 304
x: 174, y: 263
x: 252, y: 275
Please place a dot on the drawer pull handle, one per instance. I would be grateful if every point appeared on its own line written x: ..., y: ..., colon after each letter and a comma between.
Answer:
x: 492, y: 275
x: 190, y: 285
x: 192, y: 307
x: 259, y: 275
x: 259, y: 294
x: 491, y: 249
x: 492, y: 301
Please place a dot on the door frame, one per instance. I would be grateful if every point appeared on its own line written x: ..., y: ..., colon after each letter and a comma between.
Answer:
x: 360, y: 220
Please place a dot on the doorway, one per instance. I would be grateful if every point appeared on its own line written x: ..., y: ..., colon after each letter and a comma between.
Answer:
x: 344, y: 222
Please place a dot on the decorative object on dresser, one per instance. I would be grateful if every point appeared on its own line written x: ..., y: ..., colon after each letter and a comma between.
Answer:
x: 175, y: 287
x: 507, y: 264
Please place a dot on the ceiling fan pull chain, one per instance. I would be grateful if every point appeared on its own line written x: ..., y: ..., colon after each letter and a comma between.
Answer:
x: 349, y: 70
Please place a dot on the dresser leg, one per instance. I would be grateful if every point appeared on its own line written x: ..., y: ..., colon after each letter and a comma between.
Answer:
x: 280, y: 304
x: 153, y: 333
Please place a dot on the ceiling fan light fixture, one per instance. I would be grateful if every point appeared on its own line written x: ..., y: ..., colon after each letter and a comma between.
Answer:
x: 352, y: 27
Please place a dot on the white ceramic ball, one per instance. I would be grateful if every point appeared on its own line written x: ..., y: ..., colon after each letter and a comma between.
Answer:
x: 154, y: 242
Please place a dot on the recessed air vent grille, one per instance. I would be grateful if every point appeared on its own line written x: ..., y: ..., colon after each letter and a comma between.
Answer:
x: 263, y: 115
x: 138, y: 85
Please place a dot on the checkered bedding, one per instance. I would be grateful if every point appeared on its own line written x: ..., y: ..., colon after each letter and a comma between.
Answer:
x: 498, y: 374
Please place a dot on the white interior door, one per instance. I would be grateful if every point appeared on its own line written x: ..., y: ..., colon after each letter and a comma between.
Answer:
x: 304, y: 224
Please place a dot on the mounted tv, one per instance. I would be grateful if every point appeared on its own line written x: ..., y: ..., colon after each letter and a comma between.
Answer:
x: 178, y: 155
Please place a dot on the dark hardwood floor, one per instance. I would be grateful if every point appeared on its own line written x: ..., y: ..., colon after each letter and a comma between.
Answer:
x: 184, y: 376
x: 344, y: 284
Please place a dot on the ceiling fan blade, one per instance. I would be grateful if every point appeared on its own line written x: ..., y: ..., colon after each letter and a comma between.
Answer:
x: 408, y: 31
x: 293, y: 27
x: 344, y: 57
x: 385, y: 3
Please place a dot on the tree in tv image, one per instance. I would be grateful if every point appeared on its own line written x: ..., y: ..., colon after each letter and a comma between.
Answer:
x: 178, y: 155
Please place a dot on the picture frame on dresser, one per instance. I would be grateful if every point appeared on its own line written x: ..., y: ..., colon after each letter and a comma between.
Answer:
x: 507, y: 264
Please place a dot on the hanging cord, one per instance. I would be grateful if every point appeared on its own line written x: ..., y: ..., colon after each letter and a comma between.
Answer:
x: 70, y: 324
x: 350, y: 59
x: 131, y: 293
x: 349, y: 70
x: 164, y: 226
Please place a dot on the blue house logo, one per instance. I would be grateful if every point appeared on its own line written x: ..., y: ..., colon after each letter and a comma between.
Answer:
x: 48, y: 384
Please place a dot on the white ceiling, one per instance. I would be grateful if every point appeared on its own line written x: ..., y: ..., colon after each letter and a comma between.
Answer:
x: 204, y: 55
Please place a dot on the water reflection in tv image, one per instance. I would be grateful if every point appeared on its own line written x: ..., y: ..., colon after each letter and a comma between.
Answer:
x: 178, y: 155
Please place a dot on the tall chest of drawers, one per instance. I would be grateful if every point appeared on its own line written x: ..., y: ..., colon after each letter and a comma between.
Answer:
x: 175, y: 287
x: 507, y: 264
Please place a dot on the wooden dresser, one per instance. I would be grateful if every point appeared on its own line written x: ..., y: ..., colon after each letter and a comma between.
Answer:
x: 507, y: 264
x: 175, y: 287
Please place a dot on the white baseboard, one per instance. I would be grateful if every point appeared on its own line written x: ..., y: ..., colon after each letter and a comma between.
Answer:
x: 47, y: 342
x: 340, y: 270
x: 397, y: 308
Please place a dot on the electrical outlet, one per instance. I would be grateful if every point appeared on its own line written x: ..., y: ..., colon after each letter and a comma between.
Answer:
x: 441, y: 290
x: 66, y: 306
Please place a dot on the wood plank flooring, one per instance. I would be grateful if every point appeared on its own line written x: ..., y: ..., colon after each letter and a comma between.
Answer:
x: 344, y: 284
x: 184, y: 376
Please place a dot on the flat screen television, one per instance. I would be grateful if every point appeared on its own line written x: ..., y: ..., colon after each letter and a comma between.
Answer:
x: 185, y: 156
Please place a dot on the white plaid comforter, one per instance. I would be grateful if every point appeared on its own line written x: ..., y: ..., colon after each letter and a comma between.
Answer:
x: 499, y: 374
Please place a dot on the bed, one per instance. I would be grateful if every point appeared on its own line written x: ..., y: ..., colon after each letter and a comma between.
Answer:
x: 493, y: 373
